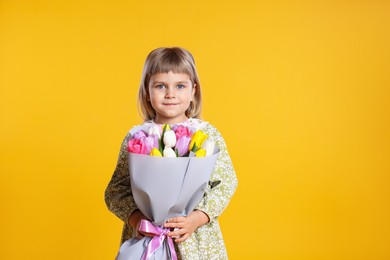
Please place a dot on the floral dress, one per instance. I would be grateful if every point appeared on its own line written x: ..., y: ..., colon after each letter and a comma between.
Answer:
x: 206, y: 242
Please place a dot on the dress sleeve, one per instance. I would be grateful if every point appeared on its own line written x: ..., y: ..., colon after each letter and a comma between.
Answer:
x: 223, y: 180
x: 118, y: 196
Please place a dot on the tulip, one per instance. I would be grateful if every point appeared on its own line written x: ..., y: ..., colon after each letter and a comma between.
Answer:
x: 209, y: 146
x: 139, y: 135
x: 168, y: 152
x: 136, y: 146
x: 150, y: 142
x: 155, y: 130
x: 166, y: 127
x: 181, y: 131
x: 200, y: 152
x: 197, y: 140
x: 182, y: 145
x: 155, y: 152
x: 169, y: 138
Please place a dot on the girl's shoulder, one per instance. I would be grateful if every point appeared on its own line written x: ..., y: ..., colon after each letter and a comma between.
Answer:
x: 196, y: 124
x: 137, y: 128
x: 205, y: 126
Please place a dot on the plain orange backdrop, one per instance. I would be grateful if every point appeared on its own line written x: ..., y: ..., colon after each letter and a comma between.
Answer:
x: 299, y: 90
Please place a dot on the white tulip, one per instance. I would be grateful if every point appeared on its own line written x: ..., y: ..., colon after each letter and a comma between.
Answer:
x: 154, y: 130
x: 209, y: 146
x: 169, y: 139
x: 168, y: 152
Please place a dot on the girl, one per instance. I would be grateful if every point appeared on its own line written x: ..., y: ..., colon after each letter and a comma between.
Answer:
x: 170, y: 93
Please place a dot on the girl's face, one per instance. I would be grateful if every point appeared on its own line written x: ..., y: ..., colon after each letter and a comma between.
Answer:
x: 170, y: 96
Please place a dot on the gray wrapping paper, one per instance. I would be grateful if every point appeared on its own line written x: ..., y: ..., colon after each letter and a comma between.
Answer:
x: 164, y: 188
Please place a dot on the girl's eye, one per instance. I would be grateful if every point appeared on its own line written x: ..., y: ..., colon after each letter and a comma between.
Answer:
x: 180, y: 86
x: 160, y: 86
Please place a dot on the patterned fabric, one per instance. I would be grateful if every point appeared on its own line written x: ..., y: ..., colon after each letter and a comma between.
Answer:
x: 206, y: 242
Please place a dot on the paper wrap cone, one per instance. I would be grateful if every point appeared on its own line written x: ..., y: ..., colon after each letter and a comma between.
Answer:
x: 164, y: 188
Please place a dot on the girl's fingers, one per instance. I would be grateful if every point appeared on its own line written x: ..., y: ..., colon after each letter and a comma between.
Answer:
x: 176, y: 233
x: 174, y: 223
x: 181, y: 232
x: 138, y: 234
x: 182, y: 238
x: 179, y: 235
x: 176, y: 220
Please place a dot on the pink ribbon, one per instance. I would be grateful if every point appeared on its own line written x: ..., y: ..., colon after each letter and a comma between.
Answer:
x: 159, y: 236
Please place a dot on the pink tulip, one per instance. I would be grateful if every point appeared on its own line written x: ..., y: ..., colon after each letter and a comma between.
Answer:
x: 136, y: 146
x: 181, y: 131
x: 182, y: 145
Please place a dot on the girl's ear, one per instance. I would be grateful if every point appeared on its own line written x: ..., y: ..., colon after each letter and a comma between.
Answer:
x: 193, y: 90
x: 147, y: 95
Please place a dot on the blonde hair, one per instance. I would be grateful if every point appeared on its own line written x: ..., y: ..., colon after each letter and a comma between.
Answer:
x: 164, y: 60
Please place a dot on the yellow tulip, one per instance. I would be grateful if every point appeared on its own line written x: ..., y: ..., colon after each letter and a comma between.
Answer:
x: 200, y: 153
x: 166, y: 127
x: 197, y: 140
x: 155, y: 152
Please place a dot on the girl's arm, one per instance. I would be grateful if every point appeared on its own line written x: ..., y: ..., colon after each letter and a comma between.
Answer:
x: 223, y: 181
x: 118, y: 196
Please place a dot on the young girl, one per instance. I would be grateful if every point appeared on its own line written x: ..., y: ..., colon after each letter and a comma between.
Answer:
x: 170, y: 93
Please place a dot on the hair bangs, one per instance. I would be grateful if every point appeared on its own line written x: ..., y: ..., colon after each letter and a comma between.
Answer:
x: 171, y: 61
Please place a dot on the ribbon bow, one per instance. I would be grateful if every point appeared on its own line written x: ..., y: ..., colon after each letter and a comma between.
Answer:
x: 159, y: 236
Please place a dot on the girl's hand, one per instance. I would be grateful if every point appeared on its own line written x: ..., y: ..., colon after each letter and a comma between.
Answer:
x: 135, y: 220
x: 185, y: 226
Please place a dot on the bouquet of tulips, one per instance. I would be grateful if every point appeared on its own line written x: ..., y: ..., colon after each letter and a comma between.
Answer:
x: 169, y: 172
x: 176, y: 142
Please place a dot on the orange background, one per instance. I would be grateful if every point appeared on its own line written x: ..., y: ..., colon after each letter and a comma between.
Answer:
x: 299, y: 89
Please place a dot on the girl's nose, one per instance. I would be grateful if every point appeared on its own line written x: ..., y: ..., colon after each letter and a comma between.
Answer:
x: 170, y: 93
